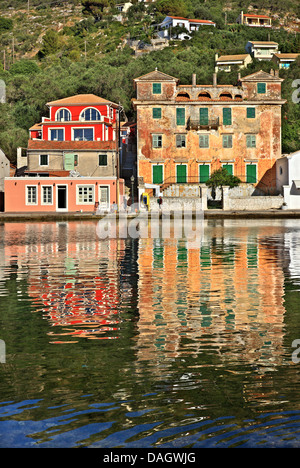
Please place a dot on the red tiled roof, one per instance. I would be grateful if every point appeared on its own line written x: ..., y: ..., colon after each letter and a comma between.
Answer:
x: 71, y: 145
x: 80, y: 99
x: 256, y: 16
x: 191, y: 20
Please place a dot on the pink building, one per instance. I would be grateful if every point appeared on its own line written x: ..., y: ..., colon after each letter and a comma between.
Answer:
x: 61, y: 194
x: 72, y: 159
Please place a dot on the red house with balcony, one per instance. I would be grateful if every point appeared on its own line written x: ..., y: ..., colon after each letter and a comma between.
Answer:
x: 77, y: 146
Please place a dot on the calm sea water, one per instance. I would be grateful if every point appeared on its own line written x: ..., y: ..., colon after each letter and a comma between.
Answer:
x: 148, y: 343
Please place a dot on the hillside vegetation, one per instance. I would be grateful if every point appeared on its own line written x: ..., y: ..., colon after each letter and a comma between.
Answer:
x: 56, y: 49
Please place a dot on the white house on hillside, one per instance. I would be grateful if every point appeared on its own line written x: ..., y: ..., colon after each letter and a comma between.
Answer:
x: 262, y: 50
x: 165, y: 28
x: 288, y: 179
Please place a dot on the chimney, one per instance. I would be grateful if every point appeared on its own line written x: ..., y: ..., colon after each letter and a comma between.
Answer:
x: 277, y: 73
x: 239, y: 76
x: 194, y: 79
x: 272, y: 72
x: 215, y: 79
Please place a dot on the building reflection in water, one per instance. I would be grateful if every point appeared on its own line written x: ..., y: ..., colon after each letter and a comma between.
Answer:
x: 226, y: 296
x: 72, y: 278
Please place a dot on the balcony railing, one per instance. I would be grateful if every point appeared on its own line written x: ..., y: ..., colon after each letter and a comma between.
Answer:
x: 198, y: 124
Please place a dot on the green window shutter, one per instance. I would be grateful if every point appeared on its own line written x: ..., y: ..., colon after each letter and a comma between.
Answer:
x: 250, y: 112
x: 156, y: 113
x: 203, y: 172
x: 227, y: 141
x: 157, y: 174
x: 251, y: 141
x: 261, y: 88
x: 204, y: 116
x: 181, y: 173
x: 204, y: 141
x: 156, y: 88
x: 69, y: 161
x: 251, y: 177
x: 102, y: 159
x: 227, y: 120
x: 229, y: 168
x: 44, y: 160
x: 180, y: 116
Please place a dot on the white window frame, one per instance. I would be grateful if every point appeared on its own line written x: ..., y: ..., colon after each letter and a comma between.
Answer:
x: 82, y: 186
x: 82, y: 128
x: 157, y: 135
x: 62, y: 120
x: 56, y: 128
x: 27, y: 202
x: 81, y: 116
x: 42, y: 195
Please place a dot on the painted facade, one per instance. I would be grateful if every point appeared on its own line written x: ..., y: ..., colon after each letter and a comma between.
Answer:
x: 186, y: 132
x: 262, y: 50
x: 61, y: 194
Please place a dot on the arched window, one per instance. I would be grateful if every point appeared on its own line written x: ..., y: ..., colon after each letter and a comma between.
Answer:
x: 90, y: 114
x: 225, y: 96
x: 63, y: 115
x: 183, y: 96
x: 204, y: 96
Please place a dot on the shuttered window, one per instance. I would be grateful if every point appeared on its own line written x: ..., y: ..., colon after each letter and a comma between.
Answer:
x: 250, y: 112
x: 251, y: 141
x: 203, y: 173
x: 261, y: 88
x: 180, y: 141
x: 227, y: 141
x: 156, y: 113
x: 203, y: 141
x: 157, y: 141
x: 227, y: 120
x: 180, y: 116
x: 204, y: 116
x: 156, y: 88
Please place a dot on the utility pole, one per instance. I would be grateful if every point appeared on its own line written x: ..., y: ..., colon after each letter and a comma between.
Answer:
x: 118, y: 142
x: 4, y: 60
x: 13, y: 50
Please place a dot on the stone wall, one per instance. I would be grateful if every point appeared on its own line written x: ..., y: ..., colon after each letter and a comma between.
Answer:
x: 251, y: 203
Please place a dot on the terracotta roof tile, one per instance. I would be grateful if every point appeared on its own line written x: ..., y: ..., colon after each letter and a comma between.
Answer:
x: 84, y: 99
x: 71, y: 145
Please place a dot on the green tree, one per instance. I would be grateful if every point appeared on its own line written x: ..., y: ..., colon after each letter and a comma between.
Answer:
x: 221, y: 178
x: 96, y: 7
x: 50, y: 44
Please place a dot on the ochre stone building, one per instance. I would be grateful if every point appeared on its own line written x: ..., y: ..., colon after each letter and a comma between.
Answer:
x: 186, y: 132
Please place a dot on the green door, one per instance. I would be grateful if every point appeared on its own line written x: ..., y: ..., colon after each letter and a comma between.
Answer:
x: 157, y: 174
x: 251, y: 173
x: 181, y: 173
x: 229, y: 168
x: 203, y: 172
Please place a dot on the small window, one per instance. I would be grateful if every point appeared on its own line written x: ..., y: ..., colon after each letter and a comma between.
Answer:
x: 156, y: 88
x: 75, y: 159
x: 227, y: 141
x: 250, y: 112
x: 227, y: 119
x: 204, y: 141
x: 44, y: 160
x: 157, y: 141
x: 102, y: 159
x: 31, y: 195
x: 251, y: 141
x: 180, y: 141
x: 156, y: 113
x: 47, y: 195
x: 203, y: 115
x: 85, y: 194
x: 261, y: 88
